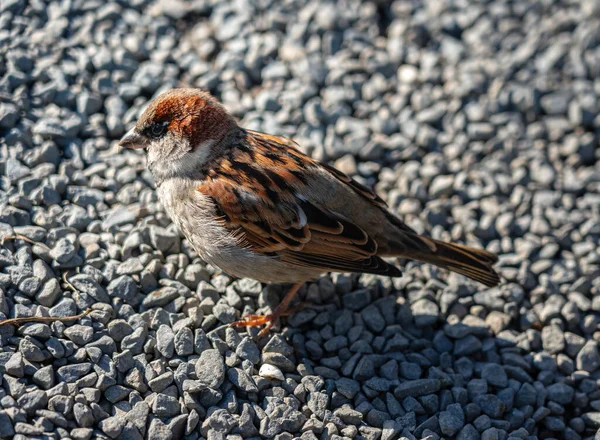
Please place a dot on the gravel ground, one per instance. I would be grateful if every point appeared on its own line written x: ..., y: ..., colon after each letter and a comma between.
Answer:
x: 476, y: 122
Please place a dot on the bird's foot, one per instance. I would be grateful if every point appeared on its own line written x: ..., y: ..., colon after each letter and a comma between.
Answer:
x: 267, y: 320
x: 282, y: 309
x: 257, y: 321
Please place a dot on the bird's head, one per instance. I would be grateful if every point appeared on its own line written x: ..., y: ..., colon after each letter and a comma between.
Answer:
x: 180, y: 130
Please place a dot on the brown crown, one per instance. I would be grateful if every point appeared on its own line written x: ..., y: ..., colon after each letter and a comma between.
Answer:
x: 190, y: 113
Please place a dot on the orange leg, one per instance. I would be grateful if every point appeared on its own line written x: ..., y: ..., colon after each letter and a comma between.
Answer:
x: 269, y: 320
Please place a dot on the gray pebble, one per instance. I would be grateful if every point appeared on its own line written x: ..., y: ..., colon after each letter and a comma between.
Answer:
x: 468, y: 433
x: 247, y: 349
x: 553, y: 339
x: 165, y: 406
x: 495, y: 375
x: 159, y: 383
x: 70, y: 373
x: 165, y: 341
x: 79, y: 334
x: 160, y: 297
x: 418, y: 387
x: 467, y: 345
x: 490, y: 405
x: 183, y: 341
x: 32, y: 401
x: 451, y: 420
x: 44, y: 377
x: 112, y: 426
x: 118, y: 329
x: 210, y: 368
x: 224, y: 313
x: 31, y: 351
x: 63, y: 250
x: 242, y: 380
x: 588, y: 358
x: 15, y: 365
x: 123, y: 287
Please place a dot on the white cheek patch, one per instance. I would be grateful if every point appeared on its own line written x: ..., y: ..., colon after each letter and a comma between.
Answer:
x: 165, y: 158
x: 189, y: 162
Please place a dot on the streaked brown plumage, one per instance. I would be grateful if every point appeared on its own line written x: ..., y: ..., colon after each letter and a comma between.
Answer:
x: 256, y: 206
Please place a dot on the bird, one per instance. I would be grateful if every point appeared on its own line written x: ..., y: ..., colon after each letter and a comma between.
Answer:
x: 255, y: 206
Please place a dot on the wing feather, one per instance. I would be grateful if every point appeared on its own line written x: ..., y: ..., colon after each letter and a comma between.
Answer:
x: 260, y: 191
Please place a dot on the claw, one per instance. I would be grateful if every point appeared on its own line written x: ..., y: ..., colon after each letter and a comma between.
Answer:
x: 268, y: 320
x: 252, y: 321
x: 256, y: 321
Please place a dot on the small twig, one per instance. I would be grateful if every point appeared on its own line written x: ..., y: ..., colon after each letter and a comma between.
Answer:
x: 221, y: 327
x: 68, y: 283
x: 18, y: 321
x: 22, y: 237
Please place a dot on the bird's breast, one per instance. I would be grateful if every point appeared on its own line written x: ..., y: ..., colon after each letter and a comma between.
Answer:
x: 194, y: 215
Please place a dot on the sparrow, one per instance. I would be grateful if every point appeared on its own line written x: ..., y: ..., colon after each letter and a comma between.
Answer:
x: 253, y: 205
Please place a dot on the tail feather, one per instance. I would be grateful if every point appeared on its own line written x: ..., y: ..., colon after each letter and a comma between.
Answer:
x: 470, y: 262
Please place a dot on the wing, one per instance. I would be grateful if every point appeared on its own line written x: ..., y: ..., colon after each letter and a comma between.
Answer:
x: 260, y: 191
x: 274, y: 142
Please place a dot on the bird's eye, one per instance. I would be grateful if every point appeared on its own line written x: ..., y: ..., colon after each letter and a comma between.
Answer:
x: 158, y: 129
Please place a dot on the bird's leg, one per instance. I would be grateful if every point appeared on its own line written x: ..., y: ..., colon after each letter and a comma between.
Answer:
x: 269, y: 320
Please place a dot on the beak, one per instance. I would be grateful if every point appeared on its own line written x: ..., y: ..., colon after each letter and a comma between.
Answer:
x: 133, y: 140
